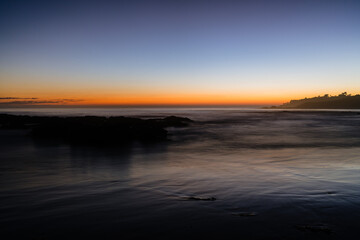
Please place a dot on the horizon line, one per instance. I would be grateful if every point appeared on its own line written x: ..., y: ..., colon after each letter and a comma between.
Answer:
x: 131, y: 105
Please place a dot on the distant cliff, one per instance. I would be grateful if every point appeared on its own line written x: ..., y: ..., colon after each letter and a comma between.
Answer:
x: 341, y: 101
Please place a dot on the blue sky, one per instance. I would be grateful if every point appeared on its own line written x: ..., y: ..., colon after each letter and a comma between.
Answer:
x: 219, y: 47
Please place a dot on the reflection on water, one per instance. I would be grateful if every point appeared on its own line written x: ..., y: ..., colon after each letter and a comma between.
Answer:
x: 233, y: 173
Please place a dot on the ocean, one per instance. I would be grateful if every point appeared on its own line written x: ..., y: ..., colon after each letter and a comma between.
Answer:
x: 241, y: 173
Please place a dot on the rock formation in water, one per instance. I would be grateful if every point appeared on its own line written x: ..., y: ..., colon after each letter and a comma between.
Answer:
x: 93, y: 129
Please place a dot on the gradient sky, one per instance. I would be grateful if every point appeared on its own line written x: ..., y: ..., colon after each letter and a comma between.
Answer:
x: 177, y: 52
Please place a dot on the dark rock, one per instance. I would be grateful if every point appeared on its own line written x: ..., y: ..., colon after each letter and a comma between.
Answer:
x: 93, y: 129
x: 245, y: 214
x: 173, y: 121
x: 195, y: 198
x: 314, y: 228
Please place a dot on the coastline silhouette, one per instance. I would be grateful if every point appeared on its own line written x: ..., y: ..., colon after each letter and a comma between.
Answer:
x: 341, y: 101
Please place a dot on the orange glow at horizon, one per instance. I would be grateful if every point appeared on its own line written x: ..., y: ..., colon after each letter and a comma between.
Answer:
x: 156, y: 99
x: 105, y: 98
x: 57, y: 90
x: 181, y: 99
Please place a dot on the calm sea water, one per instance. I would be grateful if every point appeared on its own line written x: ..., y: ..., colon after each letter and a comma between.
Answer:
x: 275, y: 175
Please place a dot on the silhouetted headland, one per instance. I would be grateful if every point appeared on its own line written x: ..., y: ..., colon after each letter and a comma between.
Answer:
x: 341, y: 101
x: 93, y: 129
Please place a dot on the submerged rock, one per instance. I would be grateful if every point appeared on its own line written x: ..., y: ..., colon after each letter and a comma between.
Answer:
x: 245, y: 214
x: 314, y: 228
x: 196, y: 198
x: 174, y: 121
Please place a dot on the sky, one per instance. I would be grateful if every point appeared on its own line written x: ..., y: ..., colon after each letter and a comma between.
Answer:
x: 176, y: 52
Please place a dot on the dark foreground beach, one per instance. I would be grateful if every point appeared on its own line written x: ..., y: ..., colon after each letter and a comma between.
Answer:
x: 230, y: 174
